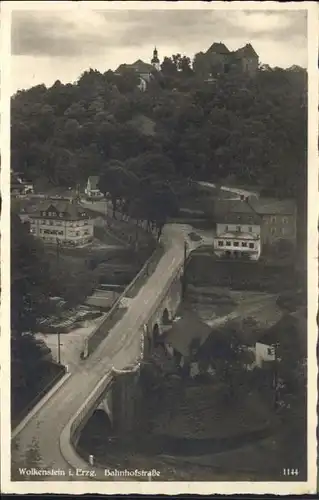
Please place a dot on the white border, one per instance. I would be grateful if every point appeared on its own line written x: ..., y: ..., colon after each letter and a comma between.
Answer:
x: 203, y: 488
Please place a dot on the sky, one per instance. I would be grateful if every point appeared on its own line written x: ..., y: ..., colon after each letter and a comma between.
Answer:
x: 49, y: 45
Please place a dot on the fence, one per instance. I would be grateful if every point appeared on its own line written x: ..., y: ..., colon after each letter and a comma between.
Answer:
x: 116, y: 312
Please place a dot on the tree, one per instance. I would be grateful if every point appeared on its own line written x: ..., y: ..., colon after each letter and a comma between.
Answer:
x: 30, y: 292
x: 251, y: 129
x: 168, y: 67
x: 118, y: 182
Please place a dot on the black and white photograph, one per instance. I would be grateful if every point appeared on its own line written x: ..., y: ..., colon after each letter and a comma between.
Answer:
x: 160, y: 178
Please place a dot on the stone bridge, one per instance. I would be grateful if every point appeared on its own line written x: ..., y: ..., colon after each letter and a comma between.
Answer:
x: 119, y: 399
x: 108, y: 378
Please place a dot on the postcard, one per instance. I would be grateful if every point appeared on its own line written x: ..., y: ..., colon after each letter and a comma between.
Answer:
x: 159, y: 247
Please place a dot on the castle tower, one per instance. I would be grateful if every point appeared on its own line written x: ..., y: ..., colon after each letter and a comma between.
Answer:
x: 155, y: 60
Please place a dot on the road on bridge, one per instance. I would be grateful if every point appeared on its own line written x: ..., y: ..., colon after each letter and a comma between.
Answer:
x: 41, y: 434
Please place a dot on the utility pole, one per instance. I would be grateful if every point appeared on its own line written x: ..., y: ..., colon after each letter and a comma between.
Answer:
x: 59, y: 349
x: 275, y: 378
x: 57, y: 250
x: 184, y: 284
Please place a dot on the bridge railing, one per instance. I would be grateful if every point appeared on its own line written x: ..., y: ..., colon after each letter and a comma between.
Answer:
x: 100, y: 332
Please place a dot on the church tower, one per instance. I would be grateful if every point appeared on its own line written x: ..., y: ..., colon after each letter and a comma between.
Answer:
x: 155, y: 60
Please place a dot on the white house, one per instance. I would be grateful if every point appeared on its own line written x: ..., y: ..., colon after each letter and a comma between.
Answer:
x: 20, y: 185
x: 238, y: 245
x: 92, y: 190
x: 238, y: 234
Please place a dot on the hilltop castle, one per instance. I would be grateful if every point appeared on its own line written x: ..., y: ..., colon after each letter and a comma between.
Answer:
x: 218, y: 59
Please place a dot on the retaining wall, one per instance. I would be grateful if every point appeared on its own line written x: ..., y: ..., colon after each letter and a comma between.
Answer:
x: 101, y: 331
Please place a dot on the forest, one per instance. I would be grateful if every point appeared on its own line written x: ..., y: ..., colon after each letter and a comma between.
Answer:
x: 252, y: 131
x: 145, y: 146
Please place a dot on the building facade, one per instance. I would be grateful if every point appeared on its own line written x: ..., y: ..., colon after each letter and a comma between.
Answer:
x: 144, y: 71
x: 92, y: 190
x: 62, y: 222
x: 19, y: 185
x: 218, y: 59
x: 267, y: 220
x: 237, y: 245
x: 237, y: 234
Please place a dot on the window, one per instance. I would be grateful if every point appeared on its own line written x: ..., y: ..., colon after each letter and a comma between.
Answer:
x: 243, y: 244
x: 273, y: 219
x: 270, y: 351
x: 250, y: 229
x: 285, y: 220
x: 226, y: 228
x: 228, y: 244
x: 236, y: 243
x: 220, y: 243
x: 283, y: 230
x: 238, y: 228
x: 251, y: 245
x: 273, y: 230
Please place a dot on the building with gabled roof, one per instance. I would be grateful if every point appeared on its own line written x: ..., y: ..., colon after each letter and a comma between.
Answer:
x: 145, y: 71
x: 218, y: 59
x: 218, y: 48
x: 270, y: 218
x: 92, y: 190
x: 63, y: 222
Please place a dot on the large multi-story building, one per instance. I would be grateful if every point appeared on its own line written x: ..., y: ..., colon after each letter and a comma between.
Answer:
x: 62, y: 221
x: 247, y: 226
x: 237, y: 234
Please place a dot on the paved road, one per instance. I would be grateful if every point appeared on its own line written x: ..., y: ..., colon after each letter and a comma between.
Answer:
x: 41, y: 435
x: 236, y: 191
x: 122, y: 346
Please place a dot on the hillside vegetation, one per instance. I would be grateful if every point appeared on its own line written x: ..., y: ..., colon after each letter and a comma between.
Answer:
x: 251, y: 131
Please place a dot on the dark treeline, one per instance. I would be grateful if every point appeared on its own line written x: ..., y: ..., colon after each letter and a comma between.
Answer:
x: 252, y: 131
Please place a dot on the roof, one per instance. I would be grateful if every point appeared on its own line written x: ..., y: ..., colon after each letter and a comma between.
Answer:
x: 238, y: 218
x: 139, y: 66
x: 94, y: 180
x: 218, y: 48
x: 185, y: 330
x: 246, y: 51
x: 272, y: 206
x: 71, y: 211
x: 235, y: 212
x: 297, y: 324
